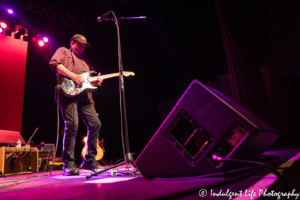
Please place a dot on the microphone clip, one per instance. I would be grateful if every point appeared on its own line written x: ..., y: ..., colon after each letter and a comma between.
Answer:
x: 103, y: 17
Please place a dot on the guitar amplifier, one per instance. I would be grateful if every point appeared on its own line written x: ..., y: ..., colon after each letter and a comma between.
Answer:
x: 9, y: 164
x: 46, y: 147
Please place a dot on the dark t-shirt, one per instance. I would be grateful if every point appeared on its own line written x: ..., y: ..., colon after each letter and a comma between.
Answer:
x: 79, y: 67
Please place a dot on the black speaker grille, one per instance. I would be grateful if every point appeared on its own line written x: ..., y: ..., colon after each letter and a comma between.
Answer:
x: 188, y: 136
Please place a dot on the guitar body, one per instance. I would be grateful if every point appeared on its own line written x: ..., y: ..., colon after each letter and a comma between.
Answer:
x: 70, y: 88
x: 100, y: 149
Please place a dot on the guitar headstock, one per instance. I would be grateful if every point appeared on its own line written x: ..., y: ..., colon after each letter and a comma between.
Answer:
x: 128, y: 74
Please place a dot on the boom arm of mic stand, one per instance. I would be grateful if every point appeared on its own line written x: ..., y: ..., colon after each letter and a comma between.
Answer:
x: 126, y: 18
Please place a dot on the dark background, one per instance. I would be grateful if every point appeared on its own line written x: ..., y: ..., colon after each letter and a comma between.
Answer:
x: 180, y: 41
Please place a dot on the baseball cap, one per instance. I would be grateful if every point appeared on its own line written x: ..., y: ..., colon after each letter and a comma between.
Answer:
x: 80, y: 38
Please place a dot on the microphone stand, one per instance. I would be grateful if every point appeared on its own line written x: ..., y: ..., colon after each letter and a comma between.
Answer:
x: 128, y: 158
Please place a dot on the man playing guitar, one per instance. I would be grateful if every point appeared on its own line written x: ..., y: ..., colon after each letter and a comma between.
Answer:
x: 69, y: 63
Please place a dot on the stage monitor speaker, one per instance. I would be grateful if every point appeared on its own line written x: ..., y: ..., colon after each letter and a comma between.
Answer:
x: 10, y: 137
x: 204, y: 122
x: 9, y: 164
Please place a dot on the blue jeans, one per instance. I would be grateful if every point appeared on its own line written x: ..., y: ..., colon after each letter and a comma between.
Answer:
x: 71, y: 107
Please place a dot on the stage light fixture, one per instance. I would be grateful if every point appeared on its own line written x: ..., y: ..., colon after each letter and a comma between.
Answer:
x: 41, y: 43
x: 10, y: 11
x: 26, y: 38
x: 10, y: 29
x: 8, y: 32
x: 1, y: 30
x: 45, y: 39
x: 18, y: 34
x: 3, y: 25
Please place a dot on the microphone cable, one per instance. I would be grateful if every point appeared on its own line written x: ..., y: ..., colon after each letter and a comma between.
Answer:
x: 248, y: 162
x: 256, y: 166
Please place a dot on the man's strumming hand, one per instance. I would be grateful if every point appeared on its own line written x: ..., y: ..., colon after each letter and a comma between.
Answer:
x: 77, y: 78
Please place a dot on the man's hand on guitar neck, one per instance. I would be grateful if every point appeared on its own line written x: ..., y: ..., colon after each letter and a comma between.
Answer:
x: 99, y: 80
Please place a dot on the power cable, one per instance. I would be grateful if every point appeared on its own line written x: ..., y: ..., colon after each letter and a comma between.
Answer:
x: 207, y: 187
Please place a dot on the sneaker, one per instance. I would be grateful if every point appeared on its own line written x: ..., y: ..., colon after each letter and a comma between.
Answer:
x: 91, y: 165
x: 70, y: 170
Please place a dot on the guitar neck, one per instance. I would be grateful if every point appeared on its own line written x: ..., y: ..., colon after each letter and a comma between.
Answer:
x: 91, y: 79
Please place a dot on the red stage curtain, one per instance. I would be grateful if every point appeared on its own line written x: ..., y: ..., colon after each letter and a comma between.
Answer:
x: 13, y: 54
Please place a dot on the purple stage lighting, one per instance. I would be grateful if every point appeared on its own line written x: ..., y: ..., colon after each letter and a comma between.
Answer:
x: 10, y: 11
x: 45, y: 39
x: 1, y: 30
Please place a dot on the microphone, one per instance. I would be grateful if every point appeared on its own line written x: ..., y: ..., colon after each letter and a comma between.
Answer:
x: 103, y: 17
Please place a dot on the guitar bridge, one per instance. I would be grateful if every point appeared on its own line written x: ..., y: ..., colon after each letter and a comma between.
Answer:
x: 72, y: 83
x: 77, y: 91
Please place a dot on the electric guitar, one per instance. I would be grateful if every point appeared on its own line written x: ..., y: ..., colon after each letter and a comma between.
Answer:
x: 100, y: 149
x: 70, y: 88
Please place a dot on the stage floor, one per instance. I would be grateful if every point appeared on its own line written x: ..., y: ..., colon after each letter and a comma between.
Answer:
x: 124, y: 186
